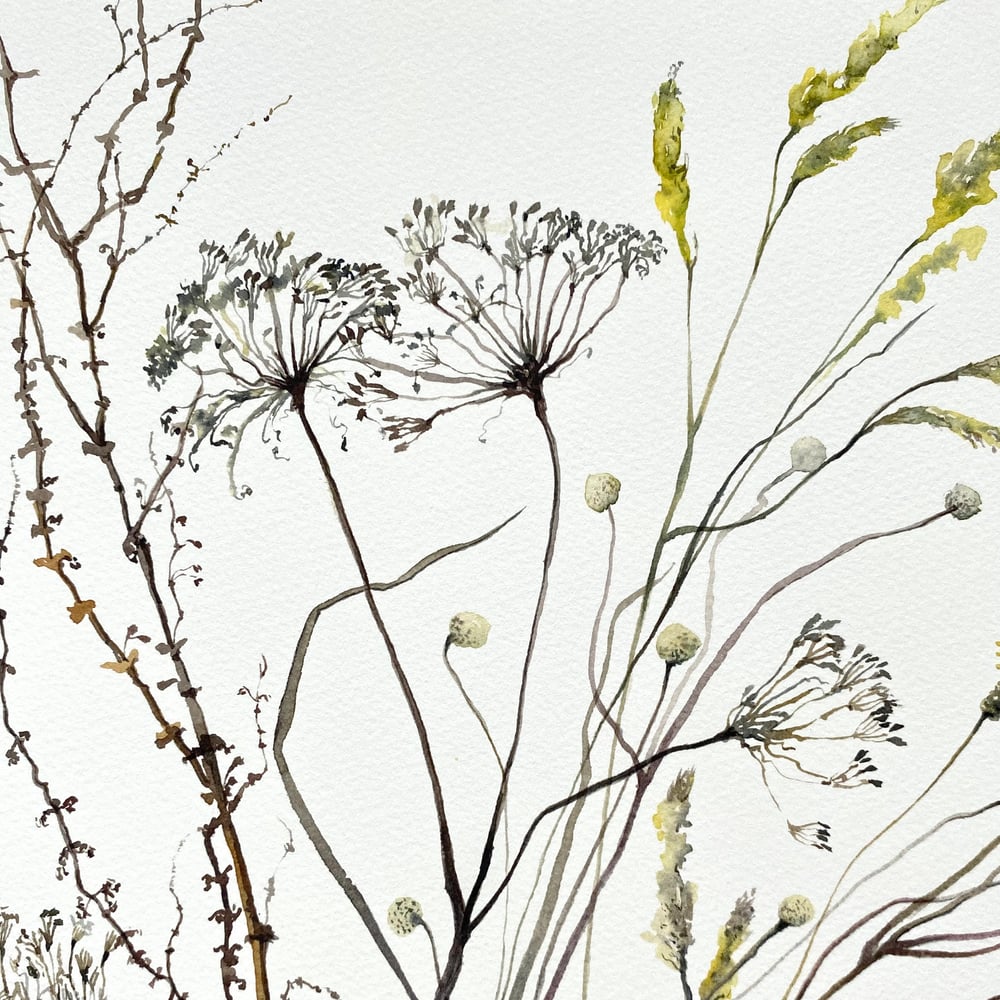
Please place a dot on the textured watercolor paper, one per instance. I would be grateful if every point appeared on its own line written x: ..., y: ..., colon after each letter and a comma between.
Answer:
x: 601, y: 603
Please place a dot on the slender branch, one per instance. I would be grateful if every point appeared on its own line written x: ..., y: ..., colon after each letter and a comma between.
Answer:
x: 452, y: 887
x: 283, y: 726
x: 643, y: 765
x: 488, y: 847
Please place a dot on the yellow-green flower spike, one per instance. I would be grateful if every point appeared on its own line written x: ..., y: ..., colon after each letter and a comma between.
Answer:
x: 837, y: 148
x: 963, y: 182
x: 674, y: 194
x: 819, y: 87
x: 912, y: 285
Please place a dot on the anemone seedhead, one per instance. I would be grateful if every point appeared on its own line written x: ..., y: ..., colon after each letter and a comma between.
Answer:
x: 808, y: 454
x: 469, y: 630
x: 795, y: 911
x: 405, y: 914
x: 601, y: 491
x: 676, y: 643
x: 963, y: 502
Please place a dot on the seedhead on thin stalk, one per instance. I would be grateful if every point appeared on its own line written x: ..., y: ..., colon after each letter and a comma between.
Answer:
x: 262, y: 328
x: 819, y: 694
x: 601, y: 491
x: 543, y: 284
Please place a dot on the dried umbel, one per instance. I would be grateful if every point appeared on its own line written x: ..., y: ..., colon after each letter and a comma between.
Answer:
x: 517, y: 301
x: 963, y: 502
x: 262, y: 327
x: 808, y: 454
x: 824, y: 694
x: 601, y: 491
x: 676, y: 643
x: 468, y: 630
x: 795, y: 911
x: 405, y: 915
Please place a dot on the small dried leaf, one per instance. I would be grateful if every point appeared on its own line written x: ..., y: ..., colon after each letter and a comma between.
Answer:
x: 52, y: 562
x: 123, y: 666
x: 80, y: 610
x: 166, y: 736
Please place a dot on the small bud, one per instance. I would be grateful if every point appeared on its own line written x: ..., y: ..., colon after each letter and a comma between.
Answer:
x: 808, y: 454
x: 795, y: 911
x: 469, y: 630
x: 990, y: 705
x: 601, y: 491
x: 405, y: 914
x: 963, y: 502
x: 676, y: 643
x: 81, y: 928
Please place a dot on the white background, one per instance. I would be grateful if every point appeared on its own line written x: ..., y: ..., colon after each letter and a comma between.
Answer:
x: 490, y: 103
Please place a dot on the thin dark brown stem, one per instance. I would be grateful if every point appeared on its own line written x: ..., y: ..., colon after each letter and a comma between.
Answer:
x: 501, y: 799
x: 636, y: 769
x: 452, y: 886
x: 283, y: 726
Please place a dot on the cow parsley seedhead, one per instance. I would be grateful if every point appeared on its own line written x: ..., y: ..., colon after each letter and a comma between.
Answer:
x: 822, y: 695
x: 262, y: 327
x: 515, y: 303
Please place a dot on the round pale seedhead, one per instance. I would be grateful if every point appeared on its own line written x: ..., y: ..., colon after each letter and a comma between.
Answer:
x: 990, y: 705
x: 808, y: 454
x: 963, y: 502
x: 469, y: 630
x: 601, y: 491
x: 796, y: 911
x: 676, y: 643
x: 405, y: 914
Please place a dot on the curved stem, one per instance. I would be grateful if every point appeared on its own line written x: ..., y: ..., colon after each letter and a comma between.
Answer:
x: 870, y: 843
x: 550, y: 545
x: 283, y: 726
x: 434, y: 952
x: 643, y: 765
x: 451, y: 883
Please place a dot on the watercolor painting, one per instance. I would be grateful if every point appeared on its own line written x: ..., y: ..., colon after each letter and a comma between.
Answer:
x: 500, y: 501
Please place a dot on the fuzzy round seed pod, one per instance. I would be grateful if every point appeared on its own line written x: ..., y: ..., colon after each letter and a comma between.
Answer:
x: 469, y: 630
x: 405, y: 914
x: 963, y: 502
x: 676, y: 643
x: 601, y: 491
x: 795, y: 911
x: 808, y: 454
x: 990, y: 705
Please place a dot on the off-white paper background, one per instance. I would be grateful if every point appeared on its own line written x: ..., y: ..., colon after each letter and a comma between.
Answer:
x: 490, y: 103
